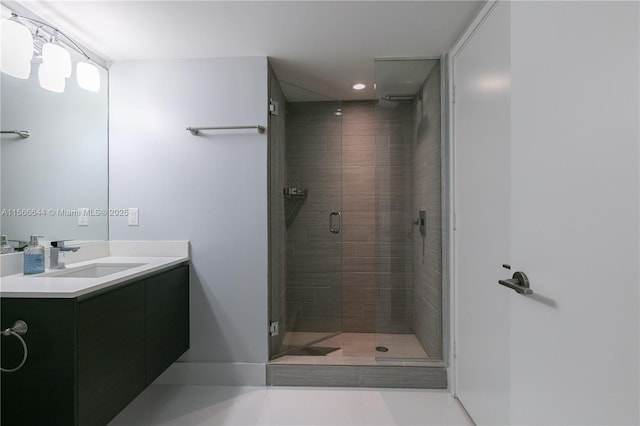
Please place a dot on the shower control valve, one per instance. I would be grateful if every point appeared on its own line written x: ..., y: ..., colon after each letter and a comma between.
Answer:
x: 421, y: 222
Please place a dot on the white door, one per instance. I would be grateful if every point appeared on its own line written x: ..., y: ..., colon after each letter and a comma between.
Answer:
x: 482, y: 205
x: 573, y: 194
x: 575, y: 211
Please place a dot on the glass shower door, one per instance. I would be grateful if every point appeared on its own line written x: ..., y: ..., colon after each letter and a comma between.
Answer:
x: 314, y: 224
x: 312, y: 200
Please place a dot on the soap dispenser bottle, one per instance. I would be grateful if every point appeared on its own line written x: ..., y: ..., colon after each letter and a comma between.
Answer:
x: 33, y: 257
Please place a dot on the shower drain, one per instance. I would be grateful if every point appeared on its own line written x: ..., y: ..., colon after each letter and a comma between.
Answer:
x: 382, y: 349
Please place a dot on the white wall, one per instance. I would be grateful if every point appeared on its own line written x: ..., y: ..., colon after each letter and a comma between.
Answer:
x: 210, y: 189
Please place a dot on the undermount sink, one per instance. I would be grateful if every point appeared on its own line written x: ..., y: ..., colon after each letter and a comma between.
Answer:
x: 95, y: 270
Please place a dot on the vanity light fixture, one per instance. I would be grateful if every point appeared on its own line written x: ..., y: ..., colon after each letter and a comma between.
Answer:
x: 88, y: 76
x: 56, y: 57
x: 45, y: 44
x: 358, y: 86
x: 17, y: 48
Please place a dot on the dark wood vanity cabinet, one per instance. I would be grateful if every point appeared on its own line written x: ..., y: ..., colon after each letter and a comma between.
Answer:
x: 167, y: 327
x: 90, y: 356
x: 110, y: 352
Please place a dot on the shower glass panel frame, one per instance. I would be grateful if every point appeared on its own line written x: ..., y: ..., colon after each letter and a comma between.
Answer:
x: 277, y: 228
x: 407, y: 310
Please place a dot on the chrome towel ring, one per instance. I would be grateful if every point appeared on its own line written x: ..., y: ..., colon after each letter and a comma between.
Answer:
x: 18, y: 330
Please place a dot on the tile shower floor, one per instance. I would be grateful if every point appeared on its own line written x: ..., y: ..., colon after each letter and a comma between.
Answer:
x: 357, y: 349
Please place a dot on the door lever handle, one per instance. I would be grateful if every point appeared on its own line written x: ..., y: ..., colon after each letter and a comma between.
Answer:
x: 519, y: 283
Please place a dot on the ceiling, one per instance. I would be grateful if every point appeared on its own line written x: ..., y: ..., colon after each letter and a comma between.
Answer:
x: 321, y: 46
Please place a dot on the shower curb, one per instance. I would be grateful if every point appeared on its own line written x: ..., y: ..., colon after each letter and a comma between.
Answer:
x: 365, y: 376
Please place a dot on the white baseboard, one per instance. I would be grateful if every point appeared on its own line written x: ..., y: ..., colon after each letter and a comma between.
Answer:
x: 214, y: 374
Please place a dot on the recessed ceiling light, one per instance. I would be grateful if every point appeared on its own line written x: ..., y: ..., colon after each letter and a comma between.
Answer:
x: 358, y: 86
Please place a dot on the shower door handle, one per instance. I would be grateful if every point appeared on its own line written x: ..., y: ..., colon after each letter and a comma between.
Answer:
x: 332, y: 229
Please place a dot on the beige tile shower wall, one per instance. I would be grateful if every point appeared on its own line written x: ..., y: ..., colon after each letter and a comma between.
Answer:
x: 359, y: 209
x: 427, y: 195
x: 314, y: 255
x: 393, y: 229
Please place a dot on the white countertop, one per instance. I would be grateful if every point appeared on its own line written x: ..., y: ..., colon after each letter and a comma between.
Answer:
x: 153, y: 255
x: 39, y: 286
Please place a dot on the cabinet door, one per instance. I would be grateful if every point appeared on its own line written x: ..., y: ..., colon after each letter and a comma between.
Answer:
x: 167, y: 306
x: 43, y: 391
x: 111, y: 352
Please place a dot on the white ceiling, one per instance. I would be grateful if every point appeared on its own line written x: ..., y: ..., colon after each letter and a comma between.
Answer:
x: 322, y: 46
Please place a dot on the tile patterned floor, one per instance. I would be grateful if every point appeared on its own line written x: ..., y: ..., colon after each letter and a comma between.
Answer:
x: 181, y: 405
x: 357, y: 349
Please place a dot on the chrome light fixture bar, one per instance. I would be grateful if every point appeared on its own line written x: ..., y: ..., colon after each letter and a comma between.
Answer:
x: 43, y: 44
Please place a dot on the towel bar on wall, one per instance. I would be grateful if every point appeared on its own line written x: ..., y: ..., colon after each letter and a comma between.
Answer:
x: 196, y: 130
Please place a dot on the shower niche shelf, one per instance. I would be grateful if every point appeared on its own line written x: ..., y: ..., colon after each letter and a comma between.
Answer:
x: 295, y: 192
x: 294, y: 199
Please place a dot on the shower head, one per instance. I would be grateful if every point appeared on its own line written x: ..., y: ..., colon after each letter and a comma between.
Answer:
x: 395, y: 101
x: 394, y: 98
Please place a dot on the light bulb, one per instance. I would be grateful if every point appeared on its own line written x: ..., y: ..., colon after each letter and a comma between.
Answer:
x: 88, y: 76
x: 50, y: 78
x: 58, y: 58
x: 17, y: 49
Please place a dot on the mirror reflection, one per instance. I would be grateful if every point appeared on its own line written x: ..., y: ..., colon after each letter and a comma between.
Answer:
x: 54, y: 182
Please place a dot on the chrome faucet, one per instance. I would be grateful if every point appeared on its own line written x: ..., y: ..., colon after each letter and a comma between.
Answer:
x: 56, y: 255
x: 19, y: 244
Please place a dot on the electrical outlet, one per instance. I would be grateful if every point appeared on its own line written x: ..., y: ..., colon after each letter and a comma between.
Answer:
x: 133, y: 216
x: 83, y: 217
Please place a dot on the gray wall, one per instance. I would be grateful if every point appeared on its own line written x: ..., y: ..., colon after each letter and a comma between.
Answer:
x: 210, y: 189
x: 427, y: 195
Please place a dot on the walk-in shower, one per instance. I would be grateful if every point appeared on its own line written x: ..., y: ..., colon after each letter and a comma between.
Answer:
x: 356, y: 222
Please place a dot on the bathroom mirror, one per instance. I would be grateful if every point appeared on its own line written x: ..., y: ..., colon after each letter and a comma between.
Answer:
x: 62, y: 166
